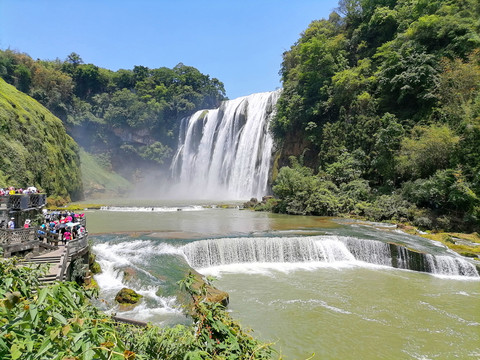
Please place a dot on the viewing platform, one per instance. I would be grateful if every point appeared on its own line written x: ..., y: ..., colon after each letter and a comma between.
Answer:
x: 22, y: 202
x: 38, y: 245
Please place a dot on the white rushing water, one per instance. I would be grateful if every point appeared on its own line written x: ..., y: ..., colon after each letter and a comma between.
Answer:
x: 226, y: 152
x: 134, y: 255
x: 320, y: 295
x: 160, y: 209
x: 310, y: 249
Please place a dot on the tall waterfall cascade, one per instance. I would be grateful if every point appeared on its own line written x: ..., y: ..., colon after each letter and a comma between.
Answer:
x: 328, y: 249
x: 227, y: 152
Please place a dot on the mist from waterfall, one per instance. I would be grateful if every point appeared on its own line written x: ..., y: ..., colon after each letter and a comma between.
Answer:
x: 226, y: 153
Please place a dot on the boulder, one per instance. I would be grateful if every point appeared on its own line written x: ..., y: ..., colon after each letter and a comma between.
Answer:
x: 212, y: 293
x: 127, y: 298
x: 251, y: 203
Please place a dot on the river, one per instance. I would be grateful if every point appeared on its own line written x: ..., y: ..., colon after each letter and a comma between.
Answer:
x: 310, y: 285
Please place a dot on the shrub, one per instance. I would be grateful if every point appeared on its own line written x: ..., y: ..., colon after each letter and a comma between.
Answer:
x: 387, y: 207
x: 423, y: 222
x: 59, y: 322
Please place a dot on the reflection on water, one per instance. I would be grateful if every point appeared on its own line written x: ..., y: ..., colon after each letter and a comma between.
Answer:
x: 337, y: 310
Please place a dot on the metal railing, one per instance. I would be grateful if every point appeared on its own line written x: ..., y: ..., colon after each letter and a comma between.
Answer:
x: 72, y: 249
x: 25, y: 201
x: 16, y: 236
x: 63, y: 266
x: 77, y: 245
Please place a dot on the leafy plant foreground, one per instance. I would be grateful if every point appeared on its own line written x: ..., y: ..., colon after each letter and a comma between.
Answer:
x: 59, y: 322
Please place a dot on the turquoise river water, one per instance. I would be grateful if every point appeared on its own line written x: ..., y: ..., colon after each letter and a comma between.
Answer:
x: 309, y: 285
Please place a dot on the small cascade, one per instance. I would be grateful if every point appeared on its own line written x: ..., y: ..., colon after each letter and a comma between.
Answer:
x: 372, y: 252
x: 226, y: 152
x: 447, y: 265
x: 216, y: 252
x: 328, y: 249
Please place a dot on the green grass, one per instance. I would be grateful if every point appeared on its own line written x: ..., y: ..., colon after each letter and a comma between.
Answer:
x: 35, y: 148
x: 99, y: 181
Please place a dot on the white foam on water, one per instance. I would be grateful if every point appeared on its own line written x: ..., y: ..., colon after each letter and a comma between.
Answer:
x: 110, y: 278
x: 137, y: 251
x: 154, y: 209
x: 262, y: 255
x: 447, y: 314
x: 115, y: 257
x: 272, y: 269
x: 144, y: 312
x: 322, y: 304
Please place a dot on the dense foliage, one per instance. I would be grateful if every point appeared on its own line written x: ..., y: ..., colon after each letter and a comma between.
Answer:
x: 386, y: 94
x: 35, y: 150
x: 59, y: 322
x: 129, y: 118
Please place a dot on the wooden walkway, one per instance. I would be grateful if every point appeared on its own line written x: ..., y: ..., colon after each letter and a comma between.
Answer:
x: 60, y: 259
x: 55, y: 261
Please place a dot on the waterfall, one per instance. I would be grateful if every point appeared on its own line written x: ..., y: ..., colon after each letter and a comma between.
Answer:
x: 447, y: 265
x: 226, y: 152
x: 215, y: 252
x: 207, y: 253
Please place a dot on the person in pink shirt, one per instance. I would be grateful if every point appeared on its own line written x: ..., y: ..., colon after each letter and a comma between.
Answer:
x: 67, y: 236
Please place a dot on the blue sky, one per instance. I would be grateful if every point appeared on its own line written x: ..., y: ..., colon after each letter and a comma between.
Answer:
x: 238, y: 42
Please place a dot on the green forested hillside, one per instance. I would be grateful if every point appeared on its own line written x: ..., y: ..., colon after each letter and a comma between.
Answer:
x: 129, y: 118
x: 98, y: 180
x: 34, y: 147
x: 384, y: 99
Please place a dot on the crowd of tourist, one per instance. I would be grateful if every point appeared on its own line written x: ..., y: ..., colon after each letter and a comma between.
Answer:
x: 14, y: 191
x: 64, y: 225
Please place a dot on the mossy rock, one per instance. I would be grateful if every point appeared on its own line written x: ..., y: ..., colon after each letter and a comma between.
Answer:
x: 469, y: 254
x: 128, y: 297
x: 95, y: 268
x: 212, y: 294
x: 92, y: 285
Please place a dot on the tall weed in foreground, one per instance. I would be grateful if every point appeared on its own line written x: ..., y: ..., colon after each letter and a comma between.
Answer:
x: 59, y: 322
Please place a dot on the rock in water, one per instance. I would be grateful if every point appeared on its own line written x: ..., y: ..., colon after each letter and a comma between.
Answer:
x: 127, y: 298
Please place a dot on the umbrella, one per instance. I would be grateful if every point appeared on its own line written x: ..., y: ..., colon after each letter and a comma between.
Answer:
x: 70, y: 224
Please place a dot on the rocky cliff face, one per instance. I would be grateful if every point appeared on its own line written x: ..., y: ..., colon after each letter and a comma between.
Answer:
x: 294, y: 144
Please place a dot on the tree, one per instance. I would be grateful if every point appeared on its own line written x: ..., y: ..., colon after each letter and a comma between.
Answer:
x: 74, y: 59
x: 23, y: 78
x: 457, y: 89
x: 427, y: 150
x: 88, y: 80
x: 446, y: 190
x: 346, y: 169
x: 156, y: 152
x: 407, y: 77
x: 387, y: 143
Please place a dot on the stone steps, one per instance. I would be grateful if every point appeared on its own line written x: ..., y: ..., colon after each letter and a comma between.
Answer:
x: 53, y: 261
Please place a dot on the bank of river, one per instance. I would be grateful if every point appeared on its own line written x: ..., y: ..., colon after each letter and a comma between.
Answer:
x: 341, y: 308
